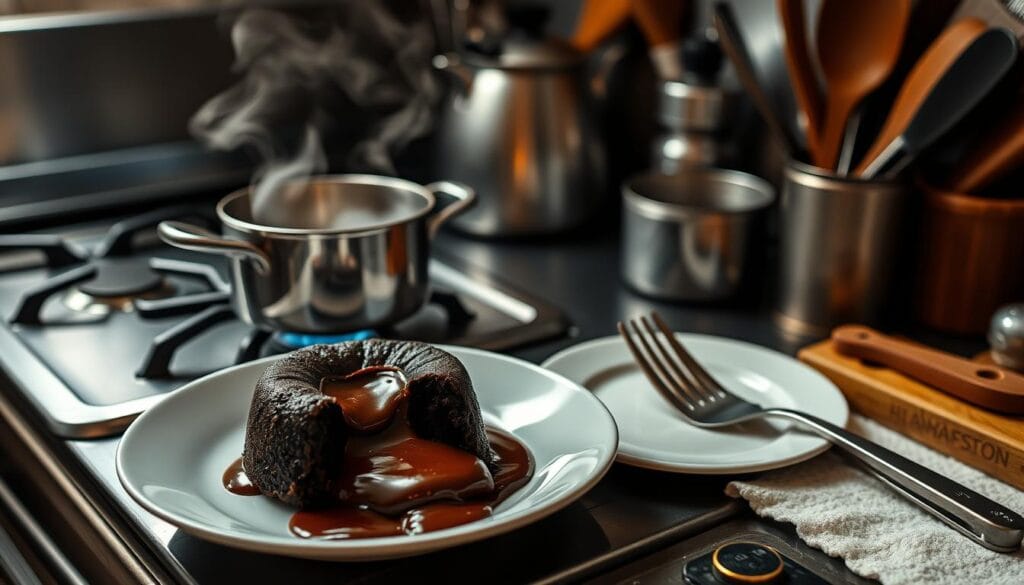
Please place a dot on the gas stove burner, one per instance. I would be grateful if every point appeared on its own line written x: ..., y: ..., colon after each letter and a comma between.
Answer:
x: 109, y: 279
x: 117, y: 286
x: 285, y: 341
x: 130, y: 279
x: 289, y: 341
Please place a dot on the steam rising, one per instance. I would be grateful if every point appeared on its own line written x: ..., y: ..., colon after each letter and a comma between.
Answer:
x: 363, y: 75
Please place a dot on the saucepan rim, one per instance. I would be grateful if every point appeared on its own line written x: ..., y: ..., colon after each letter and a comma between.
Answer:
x: 430, y: 202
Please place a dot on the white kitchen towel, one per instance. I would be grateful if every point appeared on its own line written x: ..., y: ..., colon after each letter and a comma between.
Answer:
x: 849, y: 514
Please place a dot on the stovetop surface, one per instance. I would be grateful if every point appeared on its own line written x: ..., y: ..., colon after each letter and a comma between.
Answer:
x: 102, y: 359
x: 97, y: 356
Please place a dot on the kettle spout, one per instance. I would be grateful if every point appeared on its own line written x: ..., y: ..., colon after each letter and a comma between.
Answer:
x: 458, y: 72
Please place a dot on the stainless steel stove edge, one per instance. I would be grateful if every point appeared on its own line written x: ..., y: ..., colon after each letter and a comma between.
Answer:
x: 66, y: 415
x: 71, y: 513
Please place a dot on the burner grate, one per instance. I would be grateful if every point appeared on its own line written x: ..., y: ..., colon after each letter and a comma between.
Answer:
x: 157, y: 363
x: 108, y: 279
x: 181, y: 305
x: 260, y: 343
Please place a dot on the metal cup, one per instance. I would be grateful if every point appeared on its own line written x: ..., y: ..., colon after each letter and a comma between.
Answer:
x: 686, y: 236
x: 840, y: 239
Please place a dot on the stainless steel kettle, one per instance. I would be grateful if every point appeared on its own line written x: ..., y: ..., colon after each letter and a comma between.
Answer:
x: 518, y: 129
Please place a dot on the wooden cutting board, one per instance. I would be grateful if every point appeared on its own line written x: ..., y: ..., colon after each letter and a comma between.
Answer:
x: 991, y: 442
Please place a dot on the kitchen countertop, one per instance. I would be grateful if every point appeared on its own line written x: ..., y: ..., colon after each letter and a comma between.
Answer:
x: 630, y: 513
x: 580, y: 275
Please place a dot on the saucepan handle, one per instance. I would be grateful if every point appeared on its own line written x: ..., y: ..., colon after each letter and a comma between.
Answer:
x: 190, y: 237
x: 459, y: 198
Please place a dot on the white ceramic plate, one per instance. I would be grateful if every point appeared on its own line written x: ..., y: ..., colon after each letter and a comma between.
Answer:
x: 654, y: 435
x: 172, y: 458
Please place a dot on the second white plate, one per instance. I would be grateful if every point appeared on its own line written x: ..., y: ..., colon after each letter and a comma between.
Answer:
x: 654, y: 435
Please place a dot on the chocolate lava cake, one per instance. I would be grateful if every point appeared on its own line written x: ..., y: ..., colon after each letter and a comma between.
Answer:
x: 296, y: 435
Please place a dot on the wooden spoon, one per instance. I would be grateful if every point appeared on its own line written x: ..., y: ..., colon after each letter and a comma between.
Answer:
x: 988, y: 386
x: 999, y: 152
x: 859, y: 42
x: 661, y: 23
x: 922, y: 78
x: 801, y: 70
x: 598, y: 20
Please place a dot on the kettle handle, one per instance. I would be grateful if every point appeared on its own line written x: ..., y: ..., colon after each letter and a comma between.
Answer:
x: 464, y: 197
x: 190, y: 237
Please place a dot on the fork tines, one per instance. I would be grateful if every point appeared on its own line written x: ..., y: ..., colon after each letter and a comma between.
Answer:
x: 666, y: 363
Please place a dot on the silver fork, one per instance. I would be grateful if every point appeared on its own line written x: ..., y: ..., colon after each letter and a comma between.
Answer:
x: 705, y: 403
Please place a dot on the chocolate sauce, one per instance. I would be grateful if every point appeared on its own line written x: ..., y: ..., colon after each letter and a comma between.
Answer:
x: 237, y: 482
x: 514, y: 464
x: 392, y: 482
x: 393, y: 471
x: 343, y: 522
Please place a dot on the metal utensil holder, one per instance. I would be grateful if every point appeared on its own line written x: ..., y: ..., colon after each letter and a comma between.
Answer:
x: 840, y: 243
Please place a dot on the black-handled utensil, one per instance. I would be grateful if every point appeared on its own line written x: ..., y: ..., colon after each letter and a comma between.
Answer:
x: 732, y: 44
x: 971, y: 78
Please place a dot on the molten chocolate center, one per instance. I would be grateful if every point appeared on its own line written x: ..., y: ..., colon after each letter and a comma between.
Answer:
x: 368, y: 398
x: 394, y: 470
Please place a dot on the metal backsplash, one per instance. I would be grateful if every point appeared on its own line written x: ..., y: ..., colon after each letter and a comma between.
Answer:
x: 94, y: 109
x: 83, y: 83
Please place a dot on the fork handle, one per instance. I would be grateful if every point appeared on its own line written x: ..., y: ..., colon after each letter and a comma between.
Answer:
x: 990, y: 524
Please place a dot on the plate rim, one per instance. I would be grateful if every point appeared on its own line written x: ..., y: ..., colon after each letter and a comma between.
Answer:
x: 371, y: 549
x: 704, y: 469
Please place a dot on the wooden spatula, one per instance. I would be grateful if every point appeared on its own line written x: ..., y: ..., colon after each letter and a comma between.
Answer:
x: 988, y: 386
x: 977, y: 71
x: 597, y: 21
x: 922, y: 78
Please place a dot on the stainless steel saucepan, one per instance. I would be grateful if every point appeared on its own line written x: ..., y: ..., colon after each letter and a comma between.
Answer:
x: 352, y: 253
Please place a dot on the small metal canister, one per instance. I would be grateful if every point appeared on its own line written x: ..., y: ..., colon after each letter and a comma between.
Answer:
x: 840, y: 239
x: 687, y: 236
